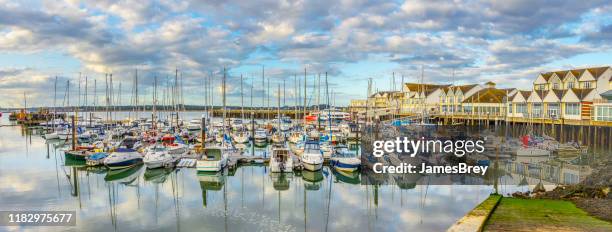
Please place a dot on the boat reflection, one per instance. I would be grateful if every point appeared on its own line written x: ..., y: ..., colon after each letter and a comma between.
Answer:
x: 347, y: 177
x: 210, y: 182
x: 158, y: 175
x: 124, y: 176
x: 312, y: 180
x: 281, y: 181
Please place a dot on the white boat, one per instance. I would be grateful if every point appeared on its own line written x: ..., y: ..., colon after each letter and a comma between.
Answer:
x: 240, y: 137
x: 260, y: 137
x: 281, y: 160
x: 345, y: 160
x: 213, y: 159
x: 278, y: 138
x: 312, y: 159
x: 295, y: 137
x: 195, y: 124
x: 314, y: 134
x: 176, y: 148
x: 532, y: 151
x: 125, y: 155
x: 285, y: 127
x: 157, y: 156
x: 52, y: 135
x: 123, y: 158
x: 236, y: 124
x: 326, y: 150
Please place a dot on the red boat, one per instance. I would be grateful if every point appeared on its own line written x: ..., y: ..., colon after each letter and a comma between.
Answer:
x: 312, y: 117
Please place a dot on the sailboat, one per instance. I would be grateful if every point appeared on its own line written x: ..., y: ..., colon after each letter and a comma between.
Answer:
x: 53, y: 134
x: 214, y: 159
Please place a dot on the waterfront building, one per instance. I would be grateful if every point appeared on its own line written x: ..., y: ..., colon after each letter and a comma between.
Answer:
x: 488, y: 101
x: 421, y: 98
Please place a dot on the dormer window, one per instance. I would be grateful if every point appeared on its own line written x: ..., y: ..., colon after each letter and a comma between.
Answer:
x: 587, y: 85
x: 570, y: 85
x: 556, y: 86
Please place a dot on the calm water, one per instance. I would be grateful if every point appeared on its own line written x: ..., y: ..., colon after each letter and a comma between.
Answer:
x: 34, y: 175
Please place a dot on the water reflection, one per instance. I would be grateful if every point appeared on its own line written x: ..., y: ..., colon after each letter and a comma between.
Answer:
x: 36, y: 175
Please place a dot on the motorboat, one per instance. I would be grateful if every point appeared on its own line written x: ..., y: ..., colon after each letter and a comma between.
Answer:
x: 195, y: 124
x: 213, y: 159
x: 240, y: 137
x: 281, y: 160
x: 260, y: 137
x: 126, y: 155
x: 96, y: 159
x: 295, y: 137
x: 312, y: 158
x: 278, y: 137
x: 157, y: 156
x: 123, y: 158
x: 344, y: 159
x: 532, y: 151
x: 326, y: 150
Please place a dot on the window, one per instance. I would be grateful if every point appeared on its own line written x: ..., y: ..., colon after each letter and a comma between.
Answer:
x: 572, y: 108
x: 587, y: 85
x: 521, y: 108
x: 603, y: 113
x: 553, y: 110
x: 570, y: 85
x: 556, y: 86
x: 510, y: 108
x: 536, y: 110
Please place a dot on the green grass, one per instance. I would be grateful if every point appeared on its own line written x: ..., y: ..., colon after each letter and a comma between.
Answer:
x: 486, y: 206
x: 529, y: 214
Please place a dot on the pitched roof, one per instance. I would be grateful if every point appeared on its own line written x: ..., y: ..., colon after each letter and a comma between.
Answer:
x: 597, y: 71
x: 525, y: 93
x: 418, y: 87
x: 582, y: 93
x: 488, y: 95
x: 547, y: 75
x: 540, y: 93
x: 559, y: 93
x: 465, y: 88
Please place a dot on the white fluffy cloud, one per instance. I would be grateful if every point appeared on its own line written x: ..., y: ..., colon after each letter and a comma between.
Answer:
x: 491, y: 39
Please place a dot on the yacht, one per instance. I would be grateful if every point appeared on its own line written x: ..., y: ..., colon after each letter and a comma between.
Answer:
x: 213, y: 159
x: 157, y: 156
x: 241, y: 137
x: 295, y: 137
x: 281, y: 160
x: 194, y: 124
x: 125, y: 156
x: 312, y: 158
x: 344, y: 159
x: 261, y: 137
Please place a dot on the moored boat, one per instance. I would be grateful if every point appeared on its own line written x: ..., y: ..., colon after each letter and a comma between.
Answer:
x: 345, y: 160
x: 213, y: 159
x: 312, y: 158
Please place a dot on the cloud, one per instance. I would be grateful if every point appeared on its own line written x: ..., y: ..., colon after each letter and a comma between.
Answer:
x: 478, y: 39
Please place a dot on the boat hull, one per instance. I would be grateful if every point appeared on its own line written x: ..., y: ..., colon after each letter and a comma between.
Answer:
x: 312, y: 166
x: 345, y: 166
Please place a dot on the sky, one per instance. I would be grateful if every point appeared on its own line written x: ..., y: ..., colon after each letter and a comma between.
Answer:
x: 452, y: 42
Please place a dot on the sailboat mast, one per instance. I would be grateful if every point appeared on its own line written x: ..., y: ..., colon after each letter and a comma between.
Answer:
x: 304, y: 119
x: 241, y: 98
x: 224, y: 109
x: 278, y: 110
